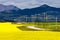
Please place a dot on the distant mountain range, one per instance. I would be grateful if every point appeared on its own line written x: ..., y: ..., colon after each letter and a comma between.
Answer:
x: 12, y: 13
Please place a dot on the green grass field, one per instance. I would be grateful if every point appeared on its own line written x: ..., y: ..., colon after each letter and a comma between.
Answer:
x: 51, y: 26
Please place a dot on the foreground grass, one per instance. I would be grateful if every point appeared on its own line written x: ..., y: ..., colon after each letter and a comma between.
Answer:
x: 10, y: 31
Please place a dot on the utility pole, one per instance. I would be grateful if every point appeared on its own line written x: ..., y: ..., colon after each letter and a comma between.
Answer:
x: 33, y: 19
x: 26, y: 18
x: 56, y: 22
x: 45, y: 20
x: 44, y: 24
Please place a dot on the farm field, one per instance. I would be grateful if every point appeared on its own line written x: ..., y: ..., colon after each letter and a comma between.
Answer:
x: 9, y: 31
x: 52, y: 26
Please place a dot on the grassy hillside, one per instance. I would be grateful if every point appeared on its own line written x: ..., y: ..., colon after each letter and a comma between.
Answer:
x: 52, y: 26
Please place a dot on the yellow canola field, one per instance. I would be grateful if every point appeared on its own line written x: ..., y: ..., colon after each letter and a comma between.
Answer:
x: 10, y: 31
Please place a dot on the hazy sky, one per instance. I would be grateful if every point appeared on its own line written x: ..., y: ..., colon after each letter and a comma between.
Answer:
x: 30, y: 3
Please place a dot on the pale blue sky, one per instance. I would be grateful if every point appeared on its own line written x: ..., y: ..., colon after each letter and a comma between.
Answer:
x: 30, y: 3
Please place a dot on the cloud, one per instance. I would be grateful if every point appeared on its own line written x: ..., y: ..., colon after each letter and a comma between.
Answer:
x: 23, y: 4
x: 30, y: 3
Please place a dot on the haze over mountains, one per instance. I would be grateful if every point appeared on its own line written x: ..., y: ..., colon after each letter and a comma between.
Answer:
x: 12, y: 13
